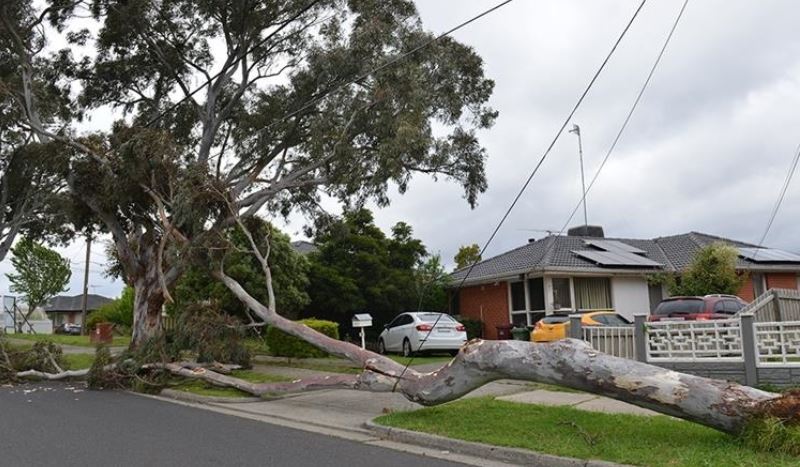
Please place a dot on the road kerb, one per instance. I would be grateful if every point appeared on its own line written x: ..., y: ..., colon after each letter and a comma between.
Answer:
x: 488, y: 451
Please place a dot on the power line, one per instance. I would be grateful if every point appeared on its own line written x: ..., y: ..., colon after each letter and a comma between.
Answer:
x: 533, y: 173
x: 781, y: 196
x: 627, y: 118
x: 391, y: 62
x: 315, y: 100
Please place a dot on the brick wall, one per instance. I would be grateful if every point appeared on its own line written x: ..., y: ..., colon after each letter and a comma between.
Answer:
x: 782, y: 281
x: 775, y: 280
x: 487, y: 302
x: 746, y: 293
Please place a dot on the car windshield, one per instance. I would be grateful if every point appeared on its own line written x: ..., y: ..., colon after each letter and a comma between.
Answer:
x: 432, y: 317
x: 555, y: 319
x: 615, y: 320
x: 681, y: 306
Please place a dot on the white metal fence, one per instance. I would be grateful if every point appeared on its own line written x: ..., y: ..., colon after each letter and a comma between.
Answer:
x: 613, y: 340
x: 694, y: 340
x: 778, y: 343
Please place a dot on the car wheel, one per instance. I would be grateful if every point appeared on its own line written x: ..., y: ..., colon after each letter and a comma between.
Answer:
x: 406, y: 348
x: 381, y: 347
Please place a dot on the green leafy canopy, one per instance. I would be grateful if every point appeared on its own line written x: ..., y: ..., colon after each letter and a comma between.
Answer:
x: 39, y: 272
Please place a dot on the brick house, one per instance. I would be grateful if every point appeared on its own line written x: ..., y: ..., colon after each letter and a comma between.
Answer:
x: 580, y: 272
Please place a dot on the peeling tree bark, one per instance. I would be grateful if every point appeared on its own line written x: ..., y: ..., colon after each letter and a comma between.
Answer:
x: 147, y: 304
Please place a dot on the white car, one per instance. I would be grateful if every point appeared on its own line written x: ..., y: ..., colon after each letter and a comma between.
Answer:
x: 411, y: 332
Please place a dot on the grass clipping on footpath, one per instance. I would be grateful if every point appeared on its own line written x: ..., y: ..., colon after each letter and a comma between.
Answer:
x: 570, y: 432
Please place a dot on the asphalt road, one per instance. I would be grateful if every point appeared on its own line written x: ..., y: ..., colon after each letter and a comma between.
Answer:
x: 57, y: 424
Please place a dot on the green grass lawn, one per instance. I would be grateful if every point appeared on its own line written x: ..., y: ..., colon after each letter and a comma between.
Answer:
x: 78, y: 361
x: 202, y: 388
x: 565, y: 431
x: 65, y: 339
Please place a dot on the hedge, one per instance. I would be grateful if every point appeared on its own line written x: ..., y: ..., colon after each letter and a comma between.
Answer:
x: 474, y: 328
x: 283, y: 345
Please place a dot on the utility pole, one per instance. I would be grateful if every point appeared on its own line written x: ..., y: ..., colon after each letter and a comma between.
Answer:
x: 85, y: 300
x: 577, y: 130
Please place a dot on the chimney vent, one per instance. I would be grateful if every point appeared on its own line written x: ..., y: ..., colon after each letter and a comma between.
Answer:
x: 595, y: 231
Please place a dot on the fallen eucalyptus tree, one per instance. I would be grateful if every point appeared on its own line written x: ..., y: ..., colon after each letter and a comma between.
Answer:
x: 725, y: 406
x: 570, y: 363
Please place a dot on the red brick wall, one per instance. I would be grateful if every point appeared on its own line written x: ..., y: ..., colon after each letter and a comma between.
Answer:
x: 782, y: 281
x: 746, y: 292
x: 775, y: 280
x: 488, y: 300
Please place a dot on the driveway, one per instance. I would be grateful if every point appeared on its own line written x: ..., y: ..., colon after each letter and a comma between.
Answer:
x: 65, y: 425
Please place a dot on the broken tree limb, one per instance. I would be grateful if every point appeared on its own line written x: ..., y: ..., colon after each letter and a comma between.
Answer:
x: 570, y: 363
x: 258, y: 389
x: 35, y: 374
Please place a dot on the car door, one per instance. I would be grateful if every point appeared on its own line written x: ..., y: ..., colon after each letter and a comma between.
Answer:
x: 388, y: 334
x: 404, y: 330
x: 396, y: 332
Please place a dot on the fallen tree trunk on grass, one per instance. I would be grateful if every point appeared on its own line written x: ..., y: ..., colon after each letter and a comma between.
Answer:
x: 570, y: 363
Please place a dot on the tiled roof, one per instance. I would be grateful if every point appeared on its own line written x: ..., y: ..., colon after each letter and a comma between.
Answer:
x: 303, y: 247
x: 556, y: 253
x: 65, y: 303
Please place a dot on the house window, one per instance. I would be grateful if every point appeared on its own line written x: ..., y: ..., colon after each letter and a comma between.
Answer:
x: 517, y: 296
x: 592, y: 293
x: 561, y: 293
x: 536, y: 293
x: 519, y: 319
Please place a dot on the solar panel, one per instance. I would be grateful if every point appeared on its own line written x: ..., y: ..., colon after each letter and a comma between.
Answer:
x: 768, y: 255
x: 616, y: 258
x: 614, y: 245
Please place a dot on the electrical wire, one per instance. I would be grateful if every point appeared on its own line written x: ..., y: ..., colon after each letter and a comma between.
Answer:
x: 779, y: 201
x: 530, y: 177
x: 625, y: 122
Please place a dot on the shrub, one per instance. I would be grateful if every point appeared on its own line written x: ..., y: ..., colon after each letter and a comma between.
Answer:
x: 284, y: 345
x: 474, y: 327
x: 119, y: 312
x: 212, y: 334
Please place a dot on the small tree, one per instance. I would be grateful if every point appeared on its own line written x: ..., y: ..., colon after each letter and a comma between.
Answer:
x: 430, y: 280
x: 40, y: 273
x: 467, y: 255
x: 712, y: 271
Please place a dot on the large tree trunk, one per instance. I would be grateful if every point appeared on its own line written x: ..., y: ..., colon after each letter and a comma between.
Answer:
x: 571, y: 363
x: 148, y: 302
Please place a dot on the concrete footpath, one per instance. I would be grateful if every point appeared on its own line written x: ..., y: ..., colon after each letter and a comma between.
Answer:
x: 349, y: 414
x: 349, y: 410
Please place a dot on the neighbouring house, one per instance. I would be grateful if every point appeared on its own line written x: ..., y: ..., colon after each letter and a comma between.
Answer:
x: 303, y: 247
x: 64, y: 309
x: 584, y: 271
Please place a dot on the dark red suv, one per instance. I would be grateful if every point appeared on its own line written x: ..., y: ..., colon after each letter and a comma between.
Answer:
x: 697, y: 308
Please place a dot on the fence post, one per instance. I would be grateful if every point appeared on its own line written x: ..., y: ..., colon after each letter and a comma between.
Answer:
x: 575, y: 331
x: 747, y: 323
x: 778, y: 307
x: 640, y: 337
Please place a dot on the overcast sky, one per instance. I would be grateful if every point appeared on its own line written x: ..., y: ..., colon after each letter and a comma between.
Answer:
x: 707, y: 150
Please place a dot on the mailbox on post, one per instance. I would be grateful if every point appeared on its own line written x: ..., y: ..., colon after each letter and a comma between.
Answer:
x: 362, y: 320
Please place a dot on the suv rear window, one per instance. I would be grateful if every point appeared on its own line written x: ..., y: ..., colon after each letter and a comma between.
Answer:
x: 681, y: 306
